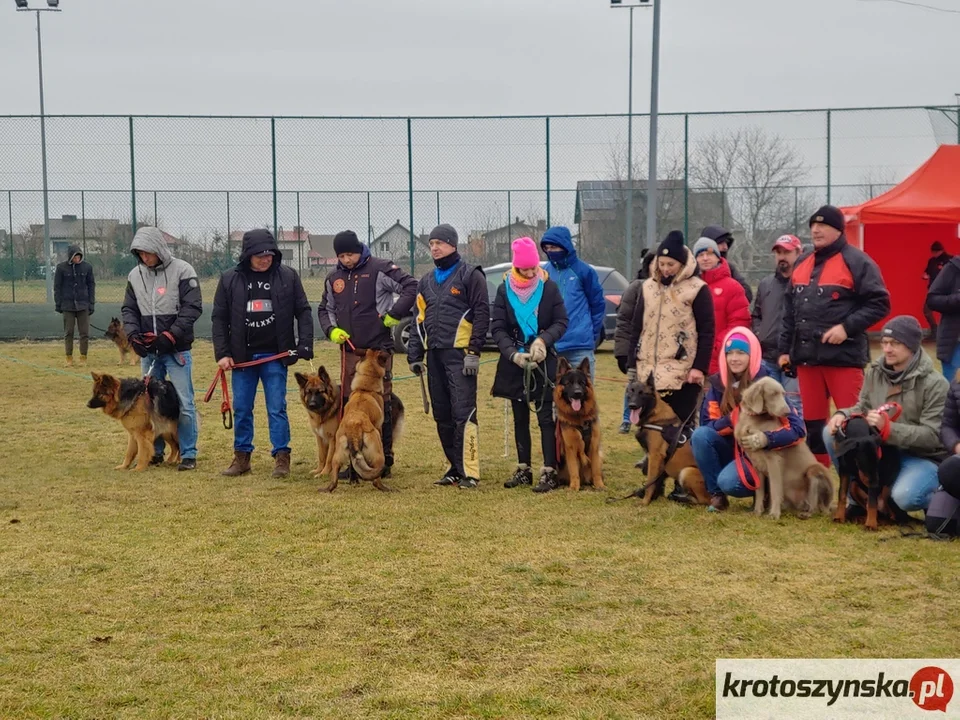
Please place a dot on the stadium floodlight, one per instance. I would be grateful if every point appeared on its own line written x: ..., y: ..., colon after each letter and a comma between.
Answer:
x: 631, y: 3
x: 21, y: 4
x: 53, y: 3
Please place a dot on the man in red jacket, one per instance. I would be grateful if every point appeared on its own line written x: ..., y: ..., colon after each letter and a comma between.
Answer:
x: 835, y: 294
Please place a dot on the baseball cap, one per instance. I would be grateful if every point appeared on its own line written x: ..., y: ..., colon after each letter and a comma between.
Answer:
x: 788, y: 242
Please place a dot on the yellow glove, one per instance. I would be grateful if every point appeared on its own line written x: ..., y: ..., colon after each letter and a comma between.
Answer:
x: 390, y: 321
x: 538, y: 351
x: 339, y: 336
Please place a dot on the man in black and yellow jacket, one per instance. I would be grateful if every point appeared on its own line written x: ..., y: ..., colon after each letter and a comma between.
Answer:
x: 453, y: 312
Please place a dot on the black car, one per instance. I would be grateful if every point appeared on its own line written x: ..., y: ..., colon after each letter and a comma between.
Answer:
x: 611, y: 280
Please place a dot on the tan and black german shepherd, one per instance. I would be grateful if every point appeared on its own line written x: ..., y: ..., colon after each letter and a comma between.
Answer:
x: 358, y: 440
x: 321, y: 397
x: 648, y: 408
x: 116, y: 333
x: 579, y: 426
x: 146, y: 411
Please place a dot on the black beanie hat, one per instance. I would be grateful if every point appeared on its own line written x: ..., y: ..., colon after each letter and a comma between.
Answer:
x: 446, y: 233
x: 904, y: 329
x: 828, y: 215
x: 347, y: 241
x: 936, y: 247
x: 673, y: 247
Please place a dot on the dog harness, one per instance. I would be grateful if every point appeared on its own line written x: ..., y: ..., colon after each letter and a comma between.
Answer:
x: 890, y: 411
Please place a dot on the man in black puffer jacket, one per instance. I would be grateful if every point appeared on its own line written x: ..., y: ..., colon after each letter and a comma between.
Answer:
x: 74, y: 294
x: 254, y: 310
x: 944, y: 297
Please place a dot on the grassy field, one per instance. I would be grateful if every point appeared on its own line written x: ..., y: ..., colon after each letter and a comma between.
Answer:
x: 168, y: 594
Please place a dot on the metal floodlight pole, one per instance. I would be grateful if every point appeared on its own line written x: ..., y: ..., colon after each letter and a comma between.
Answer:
x: 654, y: 111
x: 629, y: 219
x: 43, y: 151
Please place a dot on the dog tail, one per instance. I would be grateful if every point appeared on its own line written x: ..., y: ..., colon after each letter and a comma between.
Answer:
x: 397, y: 412
x: 817, y: 475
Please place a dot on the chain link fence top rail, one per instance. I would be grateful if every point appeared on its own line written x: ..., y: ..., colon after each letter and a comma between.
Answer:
x: 205, y: 180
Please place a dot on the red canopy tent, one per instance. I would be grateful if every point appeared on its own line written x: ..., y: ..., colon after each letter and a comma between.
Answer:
x: 897, y: 228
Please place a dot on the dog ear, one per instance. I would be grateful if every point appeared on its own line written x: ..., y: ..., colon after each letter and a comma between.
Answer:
x: 650, y: 381
x: 324, y: 375
x: 301, y: 379
x: 753, y: 399
x: 96, y: 376
x: 563, y: 367
x: 382, y: 358
x: 585, y: 367
x: 775, y: 400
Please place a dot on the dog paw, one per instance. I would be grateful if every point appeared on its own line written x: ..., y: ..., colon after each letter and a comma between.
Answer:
x: 120, y: 467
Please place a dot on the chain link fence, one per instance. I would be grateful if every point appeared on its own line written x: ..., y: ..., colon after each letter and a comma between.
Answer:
x: 205, y: 180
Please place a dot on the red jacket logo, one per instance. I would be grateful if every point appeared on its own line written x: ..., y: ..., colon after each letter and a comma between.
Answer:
x: 455, y: 291
x: 339, y: 285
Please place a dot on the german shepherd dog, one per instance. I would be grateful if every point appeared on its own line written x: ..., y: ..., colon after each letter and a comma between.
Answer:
x: 648, y: 408
x: 578, y: 422
x: 868, y: 470
x: 321, y: 397
x: 795, y: 476
x: 358, y: 441
x: 146, y: 411
x: 116, y: 333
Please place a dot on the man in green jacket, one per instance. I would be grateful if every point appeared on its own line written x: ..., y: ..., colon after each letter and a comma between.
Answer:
x: 905, y: 375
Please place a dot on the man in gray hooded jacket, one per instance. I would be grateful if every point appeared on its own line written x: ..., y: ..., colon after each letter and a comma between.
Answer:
x: 160, y: 306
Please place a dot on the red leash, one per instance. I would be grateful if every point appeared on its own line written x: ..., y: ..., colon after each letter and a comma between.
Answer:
x: 748, y: 474
x: 226, y: 411
x: 343, y: 368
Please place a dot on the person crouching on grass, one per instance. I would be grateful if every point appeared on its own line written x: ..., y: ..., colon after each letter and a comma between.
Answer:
x: 453, y: 313
x: 712, y: 442
x: 254, y: 309
x: 528, y: 318
x: 358, y: 306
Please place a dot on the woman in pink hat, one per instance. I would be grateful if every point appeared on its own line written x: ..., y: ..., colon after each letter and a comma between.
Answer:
x: 527, y: 320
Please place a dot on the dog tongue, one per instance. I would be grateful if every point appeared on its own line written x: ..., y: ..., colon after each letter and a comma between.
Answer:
x: 635, y: 417
x: 575, y: 404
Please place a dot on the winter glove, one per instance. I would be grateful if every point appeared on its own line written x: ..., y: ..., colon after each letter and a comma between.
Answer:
x: 622, y: 364
x: 339, y: 336
x: 418, y: 368
x: 304, y: 352
x: 538, y: 351
x: 520, y: 359
x: 389, y: 321
x: 142, y: 345
x: 754, y: 441
x: 471, y: 364
x: 90, y: 311
x: 165, y: 344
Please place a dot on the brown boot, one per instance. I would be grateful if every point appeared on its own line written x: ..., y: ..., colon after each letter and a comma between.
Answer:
x: 239, y: 466
x: 83, y: 361
x: 69, y: 362
x: 282, y: 468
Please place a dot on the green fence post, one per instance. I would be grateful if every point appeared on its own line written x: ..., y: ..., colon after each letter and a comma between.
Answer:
x: 156, y: 217
x: 548, y: 171
x: 723, y: 208
x: 13, y: 266
x: 229, y: 251
x: 83, y: 222
x: 958, y: 126
x: 369, y: 222
x: 796, y: 210
x: 438, y: 207
x: 299, y: 237
x: 829, y: 140
x: 413, y: 269
x: 686, y: 180
x: 509, y: 218
x: 273, y: 148
x: 133, y: 184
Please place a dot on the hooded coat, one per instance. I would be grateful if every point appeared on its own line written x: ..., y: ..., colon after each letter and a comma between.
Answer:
x: 164, y: 298
x: 730, y: 306
x: 286, y: 294
x: 581, y: 291
x: 718, y: 233
x: 944, y: 297
x: 74, y: 288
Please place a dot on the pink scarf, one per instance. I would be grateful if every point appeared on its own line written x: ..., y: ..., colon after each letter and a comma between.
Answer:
x: 522, y: 286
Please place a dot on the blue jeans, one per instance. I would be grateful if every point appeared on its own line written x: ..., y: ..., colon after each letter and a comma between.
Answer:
x: 714, y: 455
x: 626, y: 409
x: 169, y: 367
x: 575, y: 357
x: 950, y: 368
x: 273, y: 375
x: 915, y: 484
x: 790, y: 385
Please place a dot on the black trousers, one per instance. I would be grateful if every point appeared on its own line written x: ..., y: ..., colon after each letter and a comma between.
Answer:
x: 453, y: 400
x: 548, y: 430
x: 931, y: 320
x: 683, y: 401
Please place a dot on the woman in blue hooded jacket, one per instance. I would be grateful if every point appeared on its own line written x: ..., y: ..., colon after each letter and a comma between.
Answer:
x: 582, y: 297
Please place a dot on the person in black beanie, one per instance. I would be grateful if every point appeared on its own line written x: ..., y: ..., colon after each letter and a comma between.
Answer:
x: 453, y: 313
x: 938, y: 260
x: 358, y: 305
x: 724, y: 240
x: 674, y: 326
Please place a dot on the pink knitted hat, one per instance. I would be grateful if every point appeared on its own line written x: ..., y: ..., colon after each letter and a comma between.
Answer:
x: 756, y: 354
x: 525, y: 254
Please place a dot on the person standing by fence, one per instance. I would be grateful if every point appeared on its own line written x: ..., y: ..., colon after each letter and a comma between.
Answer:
x: 254, y: 309
x: 944, y: 298
x: 74, y: 295
x: 160, y: 306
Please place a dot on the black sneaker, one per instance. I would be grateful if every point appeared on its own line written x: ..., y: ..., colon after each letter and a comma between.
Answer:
x: 548, y: 481
x: 468, y: 483
x: 451, y: 477
x: 156, y: 460
x: 385, y: 473
x: 521, y: 476
x: 187, y: 464
x: 624, y: 428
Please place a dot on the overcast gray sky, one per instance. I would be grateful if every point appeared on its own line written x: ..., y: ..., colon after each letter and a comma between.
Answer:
x: 396, y: 57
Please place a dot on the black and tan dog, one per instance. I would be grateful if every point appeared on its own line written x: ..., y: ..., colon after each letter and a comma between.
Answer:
x: 867, y: 469
x: 116, y: 333
x: 358, y: 443
x: 147, y: 410
x: 577, y: 421
x: 648, y: 412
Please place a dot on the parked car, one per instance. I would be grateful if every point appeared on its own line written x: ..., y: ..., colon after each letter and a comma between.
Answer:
x: 611, y: 280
